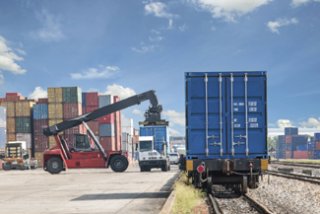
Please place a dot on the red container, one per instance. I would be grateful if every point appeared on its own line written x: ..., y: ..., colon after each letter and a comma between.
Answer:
x: 43, y: 100
x: 13, y: 96
x: 108, y: 143
x: 71, y: 110
x: 39, y: 125
x: 288, y: 139
x: 89, y: 109
x: 92, y: 99
x: 300, y: 155
x: 41, y: 143
x: 318, y: 145
x: 288, y: 154
x: 107, y: 119
x: 94, y: 126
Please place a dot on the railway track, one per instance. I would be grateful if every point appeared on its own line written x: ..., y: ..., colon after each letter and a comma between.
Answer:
x: 238, y: 204
x: 307, y: 165
x: 306, y: 178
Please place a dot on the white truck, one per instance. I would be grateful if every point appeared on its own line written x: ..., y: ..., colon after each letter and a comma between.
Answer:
x: 17, y: 156
x: 149, y: 157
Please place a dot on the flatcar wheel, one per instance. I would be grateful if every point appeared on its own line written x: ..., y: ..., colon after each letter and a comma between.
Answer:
x: 244, y: 185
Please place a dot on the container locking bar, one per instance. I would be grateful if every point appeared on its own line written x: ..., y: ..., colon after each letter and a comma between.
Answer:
x: 246, y: 106
x: 206, y: 116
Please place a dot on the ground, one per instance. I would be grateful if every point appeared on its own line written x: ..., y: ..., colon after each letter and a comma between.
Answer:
x: 85, y: 191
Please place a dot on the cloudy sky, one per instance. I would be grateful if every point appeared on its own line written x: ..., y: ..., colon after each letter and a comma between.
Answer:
x: 128, y: 47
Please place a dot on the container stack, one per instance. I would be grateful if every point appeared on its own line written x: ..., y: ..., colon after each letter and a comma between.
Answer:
x: 72, y: 107
x: 292, y: 145
x: 117, y: 126
x: 55, y: 110
x: 3, y: 127
x: 106, y: 125
x: 40, y: 121
x: 18, y: 118
x: 90, y: 102
x: 316, y: 152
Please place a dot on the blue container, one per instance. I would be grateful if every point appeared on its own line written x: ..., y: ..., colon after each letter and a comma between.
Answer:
x: 106, y: 130
x: 291, y: 131
x: 317, y: 136
x: 218, y: 105
x: 316, y: 154
x: 105, y: 100
x: 302, y: 147
x: 84, y: 100
x: 160, y: 136
x: 40, y: 111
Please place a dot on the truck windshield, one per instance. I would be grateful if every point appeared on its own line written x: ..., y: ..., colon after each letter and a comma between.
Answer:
x: 145, y: 146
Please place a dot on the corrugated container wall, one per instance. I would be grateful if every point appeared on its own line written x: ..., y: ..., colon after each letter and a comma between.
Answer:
x: 71, y: 95
x: 291, y: 131
x: 222, y: 108
x: 40, y: 111
x: 23, y: 124
x: 55, y: 95
x: 24, y: 108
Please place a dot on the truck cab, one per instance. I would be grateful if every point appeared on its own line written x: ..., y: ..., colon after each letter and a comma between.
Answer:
x: 149, y: 157
x: 17, y: 156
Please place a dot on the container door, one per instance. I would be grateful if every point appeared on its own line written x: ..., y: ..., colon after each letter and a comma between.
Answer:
x: 246, y: 115
x: 206, y: 116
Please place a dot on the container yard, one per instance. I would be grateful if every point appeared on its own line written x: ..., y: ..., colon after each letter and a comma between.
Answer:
x: 174, y: 107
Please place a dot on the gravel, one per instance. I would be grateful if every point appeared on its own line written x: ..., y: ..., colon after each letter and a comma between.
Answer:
x: 235, y: 205
x: 288, y: 196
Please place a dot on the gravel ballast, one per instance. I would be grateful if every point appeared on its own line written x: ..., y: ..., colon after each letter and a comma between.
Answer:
x: 288, y: 196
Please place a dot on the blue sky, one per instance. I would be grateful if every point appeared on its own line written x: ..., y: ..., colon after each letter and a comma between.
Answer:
x: 133, y: 46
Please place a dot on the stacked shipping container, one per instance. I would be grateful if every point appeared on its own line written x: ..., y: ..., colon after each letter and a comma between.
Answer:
x: 292, y: 145
x: 316, y: 146
x: 106, y: 125
x: 3, y: 127
x: 18, y: 118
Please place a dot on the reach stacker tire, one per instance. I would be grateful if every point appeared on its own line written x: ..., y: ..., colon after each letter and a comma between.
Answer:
x: 54, y: 165
x: 119, y: 163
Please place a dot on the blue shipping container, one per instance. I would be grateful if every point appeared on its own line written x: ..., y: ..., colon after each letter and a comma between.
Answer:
x: 291, y: 131
x: 106, y: 130
x: 160, y: 136
x: 105, y: 100
x: 226, y: 115
x: 317, y: 136
x: 40, y: 111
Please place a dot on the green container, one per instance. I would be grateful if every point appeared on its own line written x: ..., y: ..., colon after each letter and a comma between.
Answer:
x: 23, y: 124
x: 71, y: 95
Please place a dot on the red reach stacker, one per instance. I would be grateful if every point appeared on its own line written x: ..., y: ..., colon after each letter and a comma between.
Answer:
x: 84, y: 154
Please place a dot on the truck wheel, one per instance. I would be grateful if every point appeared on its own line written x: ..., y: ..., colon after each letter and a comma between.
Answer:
x: 54, y: 165
x: 6, y: 166
x: 119, y: 163
x: 164, y: 168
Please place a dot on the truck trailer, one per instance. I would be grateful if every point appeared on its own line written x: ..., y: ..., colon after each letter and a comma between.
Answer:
x: 153, y: 148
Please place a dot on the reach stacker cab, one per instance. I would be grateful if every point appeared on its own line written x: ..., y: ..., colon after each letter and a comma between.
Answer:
x: 87, y: 151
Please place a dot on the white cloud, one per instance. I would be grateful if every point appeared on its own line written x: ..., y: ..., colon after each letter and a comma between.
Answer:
x: 282, y: 123
x: 229, y: 10
x: 51, y: 28
x: 275, y: 25
x: 175, y: 117
x: 183, y: 28
x: 38, y: 92
x: 312, y: 122
x: 1, y: 78
x: 297, y: 3
x: 137, y: 112
x: 119, y: 90
x: 144, y: 48
x: 102, y: 72
x: 160, y: 10
x: 9, y: 59
x: 174, y: 132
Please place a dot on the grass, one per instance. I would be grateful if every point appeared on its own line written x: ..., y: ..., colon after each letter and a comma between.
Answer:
x: 186, y: 196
